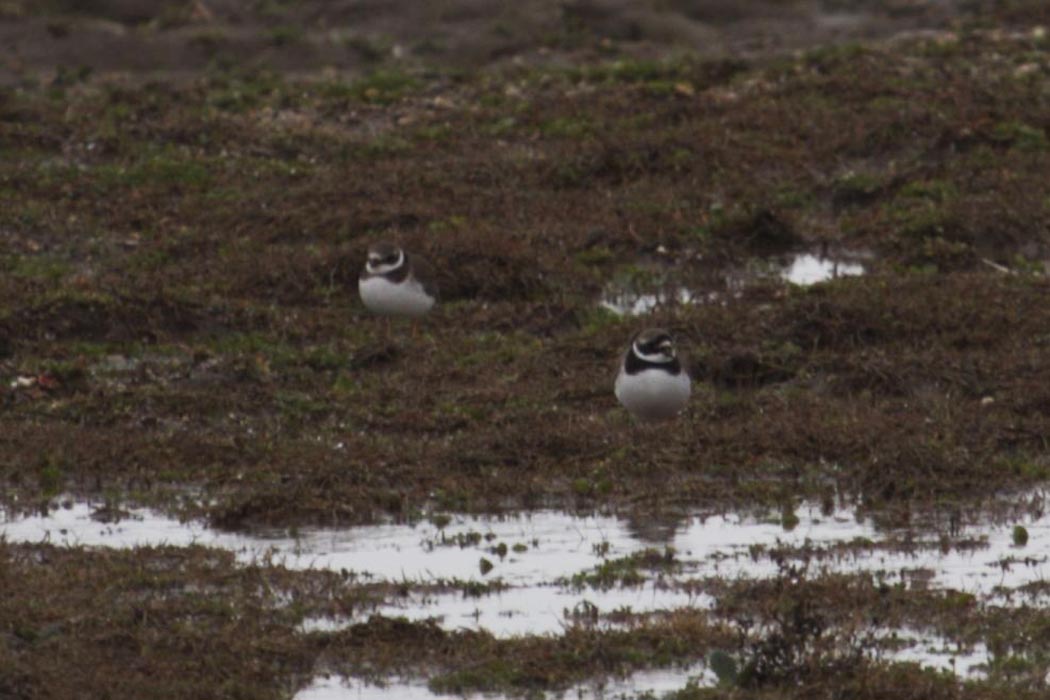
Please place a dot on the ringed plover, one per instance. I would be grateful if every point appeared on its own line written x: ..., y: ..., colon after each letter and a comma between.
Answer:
x: 652, y: 384
x: 394, y: 283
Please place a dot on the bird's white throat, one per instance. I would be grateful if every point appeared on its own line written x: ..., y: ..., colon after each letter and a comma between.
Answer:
x: 383, y: 268
x: 658, y: 357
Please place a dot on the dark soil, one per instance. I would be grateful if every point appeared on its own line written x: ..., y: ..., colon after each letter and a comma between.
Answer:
x: 177, y: 38
x: 180, y: 296
x: 187, y: 191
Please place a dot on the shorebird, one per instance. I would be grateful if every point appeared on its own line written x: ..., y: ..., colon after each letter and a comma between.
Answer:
x: 652, y: 384
x: 394, y: 283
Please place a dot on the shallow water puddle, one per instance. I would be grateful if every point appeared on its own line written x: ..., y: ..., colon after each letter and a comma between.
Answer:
x: 939, y: 653
x: 540, y: 547
x: 912, y: 646
x: 535, y: 556
x: 537, y: 550
x: 624, y: 302
x: 632, y: 298
x: 524, y: 610
x: 807, y: 269
x: 342, y: 688
x: 651, y: 682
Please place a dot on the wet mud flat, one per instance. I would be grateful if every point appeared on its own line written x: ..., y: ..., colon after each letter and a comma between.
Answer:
x: 222, y: 478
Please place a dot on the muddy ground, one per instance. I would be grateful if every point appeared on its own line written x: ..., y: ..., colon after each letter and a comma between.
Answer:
x: 186, y: 194
x: 178, y: 38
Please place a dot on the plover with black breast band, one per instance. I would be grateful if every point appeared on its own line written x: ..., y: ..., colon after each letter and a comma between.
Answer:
x: 395, y: 283
x: 652, y: 383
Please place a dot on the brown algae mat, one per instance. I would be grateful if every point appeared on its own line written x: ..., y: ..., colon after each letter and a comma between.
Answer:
x: 179, y: 328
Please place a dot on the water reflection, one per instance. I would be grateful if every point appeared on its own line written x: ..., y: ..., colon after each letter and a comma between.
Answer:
x: 535, y: 557
x: 646, y: 683
x: 656, y: 528
x: 624, y: 302
x: 907, y: 645
x: 807, y: 269
x: 639, y: 296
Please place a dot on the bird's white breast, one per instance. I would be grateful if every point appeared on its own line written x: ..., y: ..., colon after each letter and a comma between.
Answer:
x: 653, y: 394
x: 382, y: 296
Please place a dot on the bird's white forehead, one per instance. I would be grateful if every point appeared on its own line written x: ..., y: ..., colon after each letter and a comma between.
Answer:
x: 653, y: 357
x: 376, y: 266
